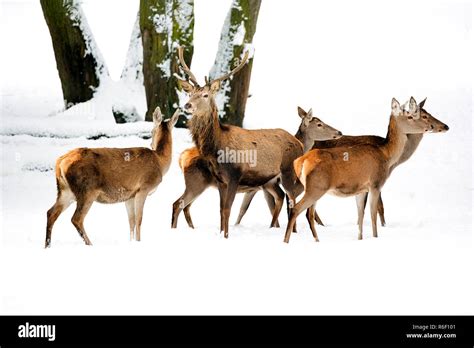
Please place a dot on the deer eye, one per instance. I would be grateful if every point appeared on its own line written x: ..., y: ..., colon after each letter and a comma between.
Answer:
x: 205, y: 95
x: 425, y: 117
x: 410, y: 117
x: 320, y: 125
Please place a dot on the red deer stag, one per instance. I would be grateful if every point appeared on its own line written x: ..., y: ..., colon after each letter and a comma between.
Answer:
x: 274, y: 149
x: 198, y: 177
x: 112, y: 175
x: 353, y: 170
x: 413, y: 140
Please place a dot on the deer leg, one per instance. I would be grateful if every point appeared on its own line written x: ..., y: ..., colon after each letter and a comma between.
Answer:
x: 63, y: 201
x: 187, y: 215
x: 374, y: 198
x: 381, y: 210
x: 140, y: 198
x: 130, y: 205
x: 310, y: 216
x: 276, y: 203
x: 271, y: 202
x: 222, y: 194
x: 178, y: 205
x: 195, y: 186
x: 290, y: 202
x: 277, y: 197
x: 293, y: 189
x: 303, y: 204
x: 361, y: 200
x: 83, y: 206
x: 317, y: 218
x: 248, y: 196
x: 229, y: 200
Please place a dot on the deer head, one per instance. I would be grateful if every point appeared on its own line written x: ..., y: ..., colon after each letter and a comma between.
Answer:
x: 160, y: 128
x: 436, y: 125
x: 315, y: 129
x: 201, y: 99
x: 408, y: 117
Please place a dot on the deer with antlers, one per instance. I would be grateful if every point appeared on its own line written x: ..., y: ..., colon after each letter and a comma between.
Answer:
x: 198, y: 177
x: 413, y: 140
x: 111, y: 175
x: 276, y: 149
x: 356, y: 169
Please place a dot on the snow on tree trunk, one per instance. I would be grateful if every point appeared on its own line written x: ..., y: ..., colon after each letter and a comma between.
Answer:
x: 236, y: 37
x: 131, y: 79
x: 165, y: 25
x: 80, y: 64
x: 133, y: 68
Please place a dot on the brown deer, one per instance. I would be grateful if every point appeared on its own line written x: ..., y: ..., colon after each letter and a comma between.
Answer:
x: 112, y: 175
x: 413, y: 140
x: 198, y: 177
x: 310, y: 130
x: 355, y: 169
x: 275, y: 149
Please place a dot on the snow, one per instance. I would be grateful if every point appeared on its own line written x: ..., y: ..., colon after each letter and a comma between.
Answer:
x: 420, y: 264
x: 163, y: 23
x: 224, y: 55
x: 183, y: 14
x: 133, y: 69
x: 239, y: 35
x: 79, y: 19
x: 165, y: 67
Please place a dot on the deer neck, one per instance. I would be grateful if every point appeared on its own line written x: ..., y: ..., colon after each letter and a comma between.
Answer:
x: 162, y: 146
x: 305, y: 140
x: 206, y: 131
x: 413, y: 140
x: 394, y: 142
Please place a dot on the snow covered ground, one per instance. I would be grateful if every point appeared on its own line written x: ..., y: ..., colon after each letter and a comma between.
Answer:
x: 347, y: 67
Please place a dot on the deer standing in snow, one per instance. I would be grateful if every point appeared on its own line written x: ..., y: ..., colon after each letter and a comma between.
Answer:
x: 198, y: 177
x: 354, y: 170
x: 276, y: 149
x: 112, y: 175
x: 413, y: 140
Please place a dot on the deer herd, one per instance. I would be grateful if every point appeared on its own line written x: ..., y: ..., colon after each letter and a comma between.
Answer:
x: 317, y: 160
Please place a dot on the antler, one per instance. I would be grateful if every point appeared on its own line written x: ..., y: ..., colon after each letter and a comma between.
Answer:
x: 240, y: 66
x: 192, y: 78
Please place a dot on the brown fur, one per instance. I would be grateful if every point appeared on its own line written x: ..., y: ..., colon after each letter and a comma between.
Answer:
x: 413, y: 140
x: 111, y: 175
x: 353, y: 169
x: 276, y: 150
x: 198, y: 176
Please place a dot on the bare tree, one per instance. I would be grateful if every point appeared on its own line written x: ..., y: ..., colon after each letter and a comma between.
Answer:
x: 164, y: 25
x: 236, y: 37
x: 78, y: 59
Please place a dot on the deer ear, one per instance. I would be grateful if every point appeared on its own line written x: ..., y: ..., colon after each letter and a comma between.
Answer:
x: 301, y: 112
x: 310, y: 113
x: 215, y: 86
x: 186, y: 86
x: 396, y: 109
x: 412, y: 105
x: 157, y: 118
x: 422, y: 103
x: 174, y: 118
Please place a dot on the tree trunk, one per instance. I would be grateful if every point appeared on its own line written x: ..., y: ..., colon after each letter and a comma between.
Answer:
x: 78, y: 60
x: 133, y: 68
x: 165, y: 25
x: 236, y: 37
